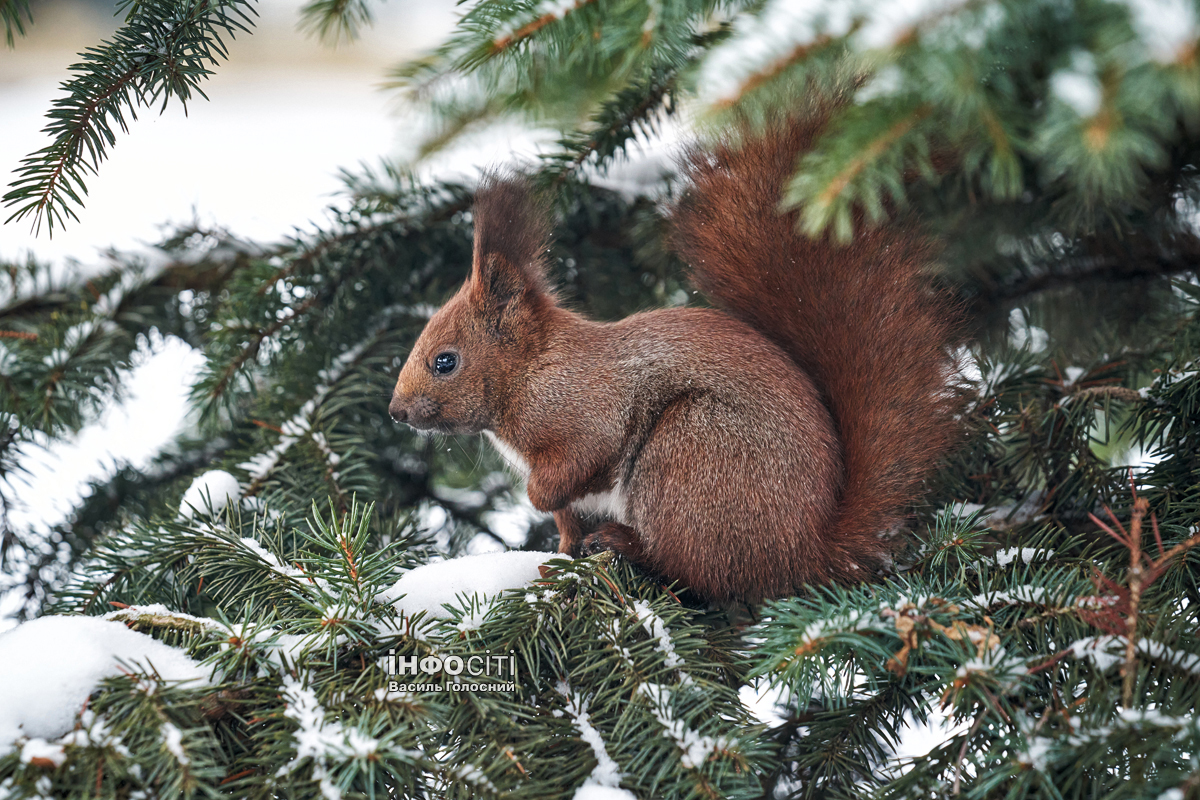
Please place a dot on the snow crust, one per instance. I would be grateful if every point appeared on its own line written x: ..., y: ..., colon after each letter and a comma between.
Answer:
x: 431, y: 586
x: 49, y: 666
x: 216, y: 485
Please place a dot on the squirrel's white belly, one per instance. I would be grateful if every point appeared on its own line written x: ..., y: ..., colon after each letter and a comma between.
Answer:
x: 510, y: 456
x: 609, y: 504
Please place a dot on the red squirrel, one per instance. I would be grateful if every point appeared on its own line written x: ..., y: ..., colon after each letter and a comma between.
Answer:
x: 744, y: 451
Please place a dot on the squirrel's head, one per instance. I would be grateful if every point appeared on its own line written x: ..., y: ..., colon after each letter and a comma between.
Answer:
x: 477, y: 346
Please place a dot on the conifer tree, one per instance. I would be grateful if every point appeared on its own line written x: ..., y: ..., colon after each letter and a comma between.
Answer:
x: 1046, y: 595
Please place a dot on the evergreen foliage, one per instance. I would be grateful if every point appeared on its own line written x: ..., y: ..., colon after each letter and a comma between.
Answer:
x: 1047, y: 599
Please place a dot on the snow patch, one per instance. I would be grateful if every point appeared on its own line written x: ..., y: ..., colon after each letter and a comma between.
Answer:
x: 760, y: 42
x: 40, y: 748
x: 594, y: 791
x: 764, y: 701
x: 210, y: 492
x: 272, y: 560
x: 58, y: 661
x: 430, y: 587
x: 784, y: 30
x: 1018, y: 595
x: 475, y: 777
x: 1168, y: 27
x: 1025, y: 554
x: 852, y: 620
x: 322, y: 738
x: 552, y: 9
x: 1037, y: 753
x: 1078, y: 86
x: 1022, y: 334
x: 173, y: 739
x: 1108, y: 651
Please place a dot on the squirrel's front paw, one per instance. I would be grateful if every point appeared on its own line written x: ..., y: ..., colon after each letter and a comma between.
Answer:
x: 614, y: 536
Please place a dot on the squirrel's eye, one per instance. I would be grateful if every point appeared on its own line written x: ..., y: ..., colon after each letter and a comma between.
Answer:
x: 445, y: 363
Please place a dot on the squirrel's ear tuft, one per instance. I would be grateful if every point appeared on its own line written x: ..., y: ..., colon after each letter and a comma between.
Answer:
x: 512, y: 231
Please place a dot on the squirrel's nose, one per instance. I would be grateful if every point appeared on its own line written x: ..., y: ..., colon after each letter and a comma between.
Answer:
x: 397, y: 410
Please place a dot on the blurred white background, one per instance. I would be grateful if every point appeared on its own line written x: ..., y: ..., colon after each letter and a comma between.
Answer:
x: 283, y: 114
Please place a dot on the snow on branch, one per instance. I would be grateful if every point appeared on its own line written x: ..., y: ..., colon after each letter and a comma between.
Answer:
x: 209, y: 492
x: 1026, y: 555
x: 785, y: 33
x: 658, y: 631
x: 694, y: 747
x: 294, y: 573
x: 549, y: 11
x: 1101, y: 651
x: 320, y: 738
x: 606, y: 773
x: 157, y: 615
x: 1017, y: 595
x: 763, y: 45
x: 300, y: 426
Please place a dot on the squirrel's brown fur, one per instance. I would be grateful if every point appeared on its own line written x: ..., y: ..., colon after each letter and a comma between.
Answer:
x: 861, y: 319
x: 744, y: 452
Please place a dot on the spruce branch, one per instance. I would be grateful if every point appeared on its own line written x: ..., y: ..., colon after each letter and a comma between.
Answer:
x: 164, y: 50
x: 334, y: 21
x: 250, y: 350
x: 869, y: 146
x: 801, y: 53
x: 617, y: 123
x: 546, y: 14
x: 333, y: 253
x: 1142, y: 572
x: 12, y: 11
x: 1102, y: 262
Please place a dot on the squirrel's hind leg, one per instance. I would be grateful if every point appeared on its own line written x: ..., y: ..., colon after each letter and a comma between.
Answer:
x: 570, y: 532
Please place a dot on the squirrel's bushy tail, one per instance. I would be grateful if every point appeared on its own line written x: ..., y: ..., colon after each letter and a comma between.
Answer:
x: 861, y: 319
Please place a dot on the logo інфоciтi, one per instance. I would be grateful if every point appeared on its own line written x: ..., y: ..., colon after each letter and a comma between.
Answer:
x: 499, y: 672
